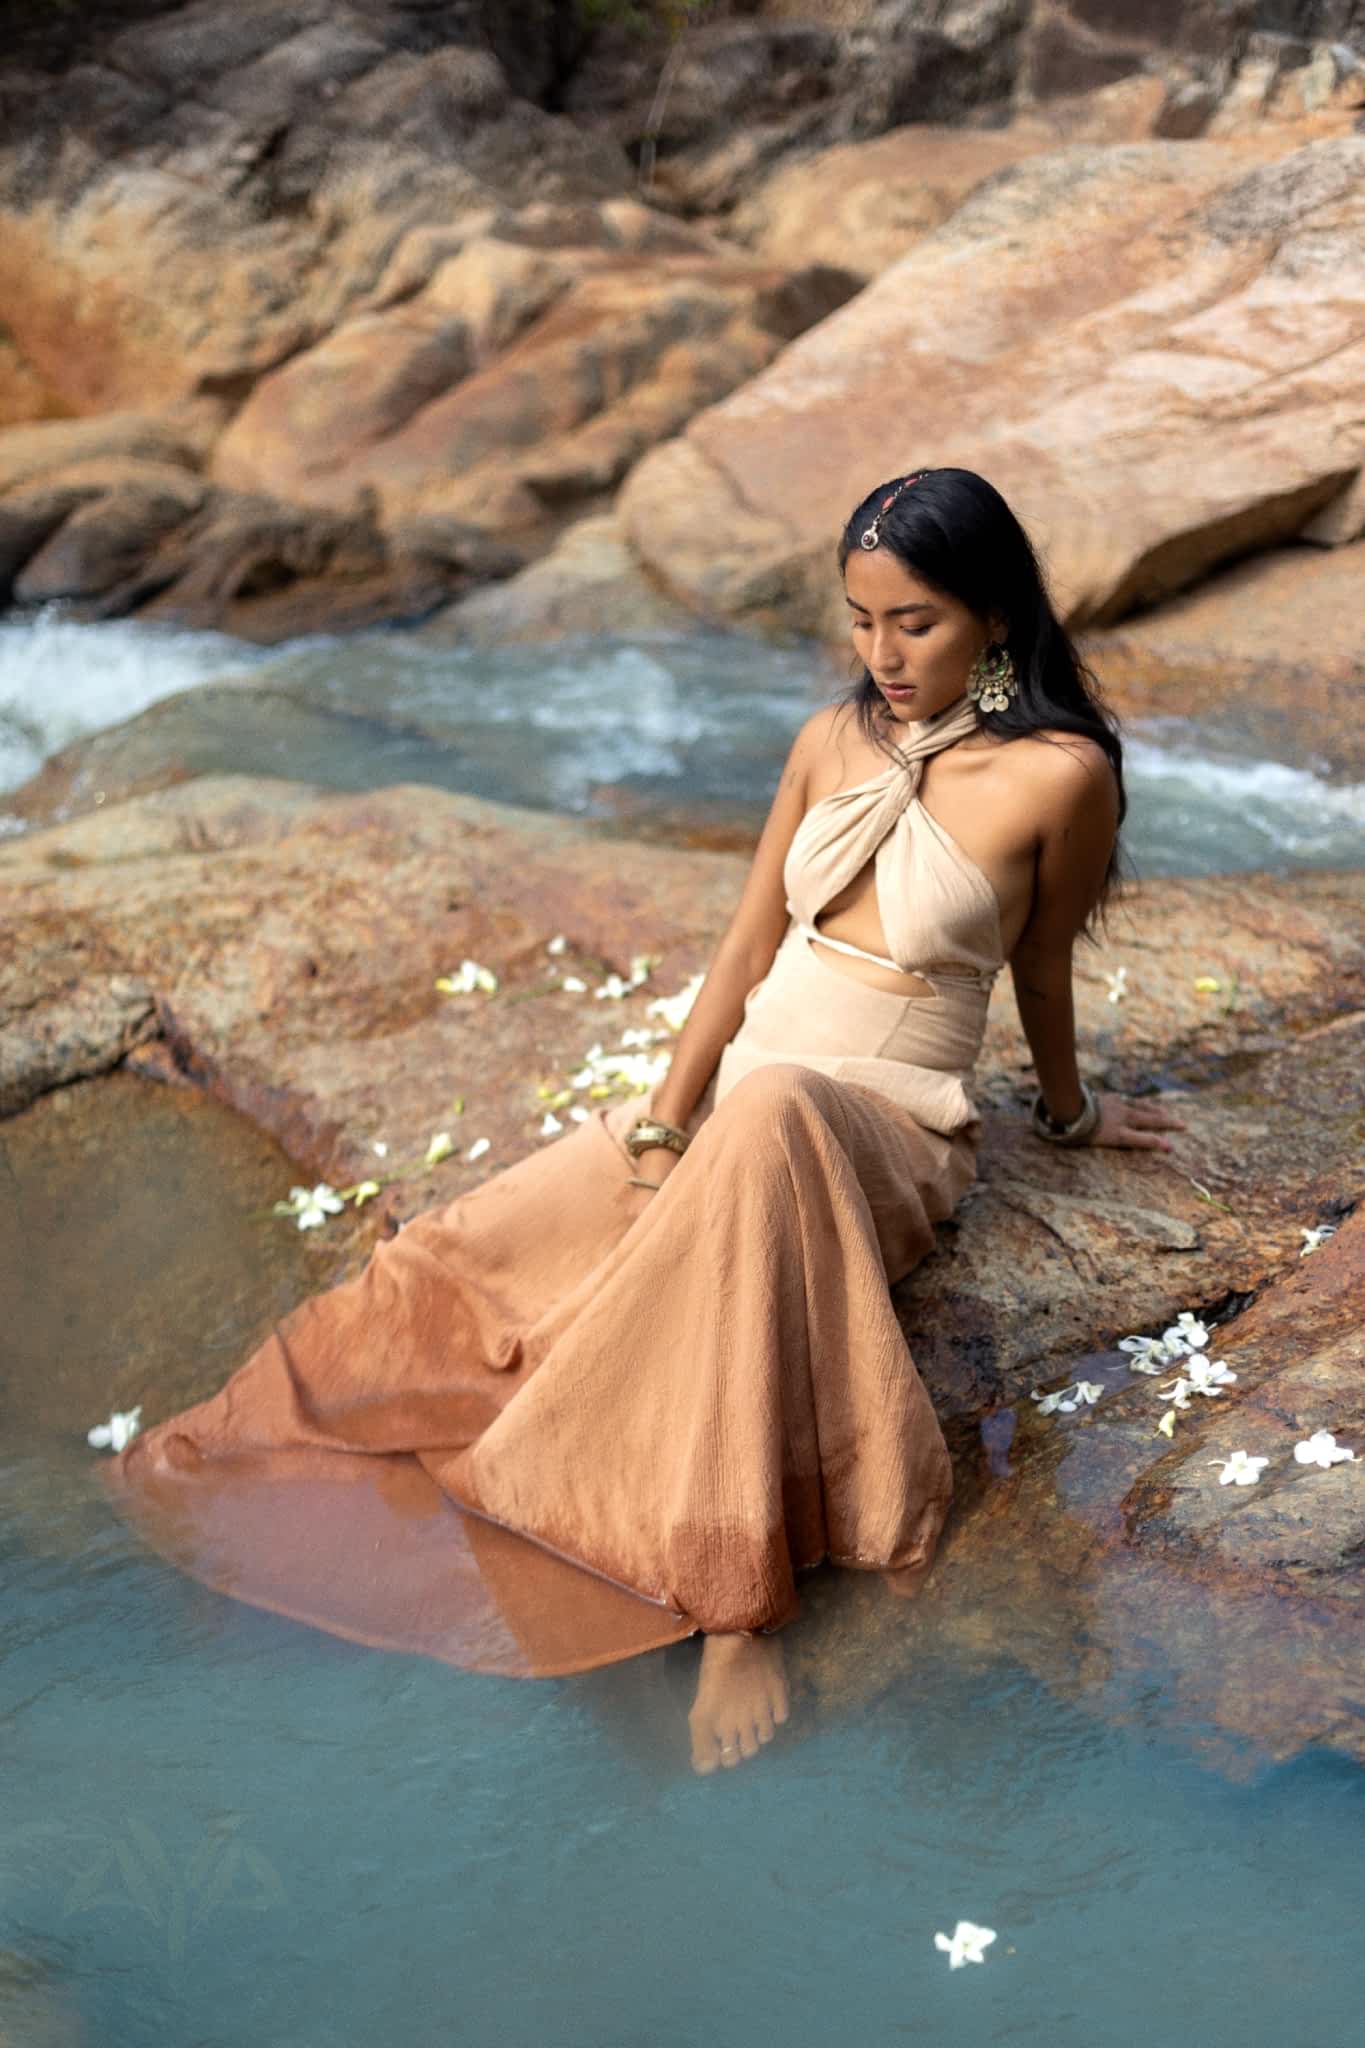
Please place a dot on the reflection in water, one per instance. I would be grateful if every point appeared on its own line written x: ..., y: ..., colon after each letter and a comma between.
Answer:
x: 223, y: 1826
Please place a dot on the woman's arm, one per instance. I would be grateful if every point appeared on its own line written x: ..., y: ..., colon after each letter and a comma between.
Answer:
x: 746, y: 949
x: 1078, y: 802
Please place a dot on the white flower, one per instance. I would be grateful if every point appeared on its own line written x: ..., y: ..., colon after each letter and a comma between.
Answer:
x: 674, y: 1009
x: 579, y: 1114
x: 120, y: 1430
x: 1186, y: 1333
x: 614, y: 987
x: 1179, y: 1392
x: 1239, y: 1469
x: 478, y: 1148
x: 1322, y: 1449
x: 314, y: 1206
x: 470, y: 977
x: 1315, y: 1239
x: 1166, y: 1426
x: 575, y: 985
x: 642, y: 965
x: 380, y: 1149
x: 1117, y: 981
x: 1066, y: 1400
x: 1147, y: 1354
x: 556, y: 944
x: 1208, y: 1376
x: 440, y: 1148
x: 966, y: 1944
x: 550, y: 1125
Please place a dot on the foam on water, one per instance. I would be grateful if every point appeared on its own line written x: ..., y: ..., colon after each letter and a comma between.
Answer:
x: 663, y: 721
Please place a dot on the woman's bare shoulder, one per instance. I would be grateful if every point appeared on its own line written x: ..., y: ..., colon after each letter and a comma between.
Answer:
x: 1066, y: 765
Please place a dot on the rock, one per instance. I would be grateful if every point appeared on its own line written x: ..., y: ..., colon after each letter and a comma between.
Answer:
x: 39, y: 451
x: 288, y: 944
x: 519, y: 383
x: 589, y: 583
x: 1064, y: 332
x: 130, y: 509
x: 1275, y: 644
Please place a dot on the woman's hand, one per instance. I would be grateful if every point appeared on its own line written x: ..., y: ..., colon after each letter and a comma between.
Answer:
x: 655, y: 1163
x: 1134, y: 1124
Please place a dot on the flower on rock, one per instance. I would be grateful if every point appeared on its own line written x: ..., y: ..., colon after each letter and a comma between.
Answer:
x: 1322, y: 1449
x: 1185, y: 1334
x: 556, y: 944
x: 1207, y: 984
x: 1166, y: 1426
x: 674, y: 1009
x: 118, y: 1430
x: 470, y: 977
x: 1315, y: 1239
x: 1208, y: 1375
x: 550, y: 1125
x: 1178, y: 1392
x: 1066, y: 1400
x: 1239, y: 1469
x: 311, y: 1206
x: 966, y: 1944
x: 1149, y: 1354
x: 478, y: 1148
x: 364, y: 1191
x: 574, y: 984
x: 440, y: 1148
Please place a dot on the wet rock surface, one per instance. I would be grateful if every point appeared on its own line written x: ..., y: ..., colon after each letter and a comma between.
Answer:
x: 282, y: 948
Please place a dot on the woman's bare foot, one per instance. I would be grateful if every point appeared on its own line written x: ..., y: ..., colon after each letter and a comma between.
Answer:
x: 741, y: 1699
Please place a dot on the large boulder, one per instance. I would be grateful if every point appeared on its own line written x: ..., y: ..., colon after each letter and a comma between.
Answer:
x: 1071, y: 331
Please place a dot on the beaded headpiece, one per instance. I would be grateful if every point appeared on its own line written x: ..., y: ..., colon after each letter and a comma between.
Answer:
x: 871, y: 536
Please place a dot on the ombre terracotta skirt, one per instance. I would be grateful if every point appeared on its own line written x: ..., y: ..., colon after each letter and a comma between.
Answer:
x: 562, y: 1420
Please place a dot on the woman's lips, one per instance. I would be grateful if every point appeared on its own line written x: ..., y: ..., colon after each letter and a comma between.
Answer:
x: 899, y: 689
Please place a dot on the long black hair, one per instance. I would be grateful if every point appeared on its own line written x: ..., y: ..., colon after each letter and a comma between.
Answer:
x: 956, y: 533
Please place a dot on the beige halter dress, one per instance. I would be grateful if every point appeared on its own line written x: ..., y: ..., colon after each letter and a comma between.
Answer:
x: 561, y: 1420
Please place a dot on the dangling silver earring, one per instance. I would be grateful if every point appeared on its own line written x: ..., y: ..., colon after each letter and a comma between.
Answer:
x: 993, y: 680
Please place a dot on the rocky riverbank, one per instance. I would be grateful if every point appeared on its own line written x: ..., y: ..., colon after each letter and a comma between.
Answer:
x: 336, y: 314
x: 281, y: 949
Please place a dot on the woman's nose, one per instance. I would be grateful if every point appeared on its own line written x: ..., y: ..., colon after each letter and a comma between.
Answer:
x: 885, y: 650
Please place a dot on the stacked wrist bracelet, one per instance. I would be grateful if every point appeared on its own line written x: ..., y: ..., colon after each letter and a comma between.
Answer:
x: 1081, y: 1128
x: 647, y: 1132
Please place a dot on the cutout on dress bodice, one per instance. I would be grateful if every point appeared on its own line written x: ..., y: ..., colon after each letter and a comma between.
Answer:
x: 863, y: 889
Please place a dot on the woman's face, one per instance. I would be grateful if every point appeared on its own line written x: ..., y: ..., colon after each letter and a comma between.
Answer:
x: 919, y: 643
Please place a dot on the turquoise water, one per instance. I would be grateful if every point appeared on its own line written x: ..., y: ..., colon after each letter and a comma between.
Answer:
x: 655, y: 736
x: 425, y: 1856
x: 225, y: 1829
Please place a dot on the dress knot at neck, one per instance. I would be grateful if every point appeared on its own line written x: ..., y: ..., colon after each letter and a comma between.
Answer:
x: 931, y: 736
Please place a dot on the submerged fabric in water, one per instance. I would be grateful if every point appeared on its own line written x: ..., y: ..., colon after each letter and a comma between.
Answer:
x: 562, y: 1420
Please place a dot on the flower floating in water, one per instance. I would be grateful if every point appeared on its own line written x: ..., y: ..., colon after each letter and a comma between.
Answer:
x: 966, y: 1944
x: 311, y: 1207
x: 119, y: 1430
x: 1322, y: 1449
x: 1207, y: 984
x: 478, y: 1148
x: 1315, y: 1239
x: 1118, y: 987
x: 1239, y: 1469
x: 440, y: 1148
x: 470, y: 977
x: 1066, y: 1400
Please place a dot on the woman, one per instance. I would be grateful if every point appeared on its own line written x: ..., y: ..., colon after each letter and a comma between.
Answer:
x: 629, y: 1387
